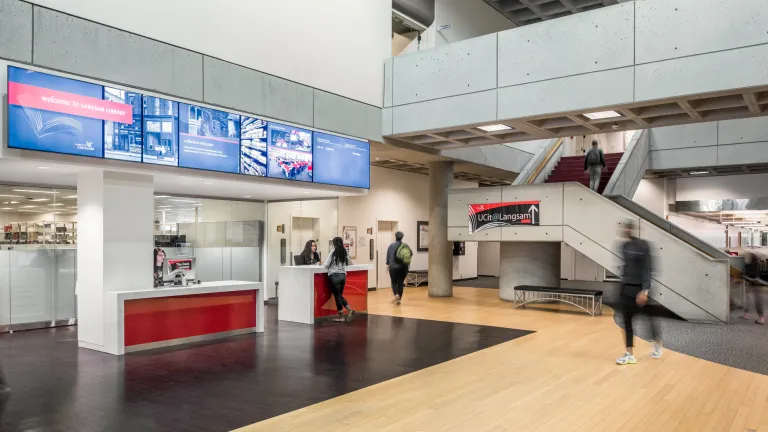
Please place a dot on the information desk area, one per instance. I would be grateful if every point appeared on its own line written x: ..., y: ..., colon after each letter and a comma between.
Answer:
x: 153, y: 318
x: 305, y: 292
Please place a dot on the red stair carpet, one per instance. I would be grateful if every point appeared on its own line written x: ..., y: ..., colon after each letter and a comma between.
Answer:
x: 571, y: 169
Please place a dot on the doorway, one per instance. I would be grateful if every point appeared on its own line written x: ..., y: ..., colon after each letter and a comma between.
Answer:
x: 385, y: 236
x: 303, y: 229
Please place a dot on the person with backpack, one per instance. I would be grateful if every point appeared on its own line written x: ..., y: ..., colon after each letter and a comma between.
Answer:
x: 594, y: 164
x: 337, y: 263
x: 398, y: 260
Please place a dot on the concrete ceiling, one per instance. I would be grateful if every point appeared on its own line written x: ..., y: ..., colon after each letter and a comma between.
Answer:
x: 707, y: 107
x: 524, y: 12
x: 708, y: 171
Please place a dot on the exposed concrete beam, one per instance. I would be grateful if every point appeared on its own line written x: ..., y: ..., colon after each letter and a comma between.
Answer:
x: 629, y: 113
x: 751, y: 101
x: 531, y: 129
x: 583, y: 123
x: 689, y: 109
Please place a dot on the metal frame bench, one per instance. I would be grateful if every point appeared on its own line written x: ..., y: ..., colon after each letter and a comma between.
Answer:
x: 590, y: 301
x: 415, y: 277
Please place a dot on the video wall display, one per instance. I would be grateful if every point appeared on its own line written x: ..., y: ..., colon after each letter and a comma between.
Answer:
x: 342, y: 161
x: 63, y: 115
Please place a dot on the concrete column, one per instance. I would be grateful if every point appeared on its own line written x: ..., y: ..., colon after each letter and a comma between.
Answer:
x: 440, y: 250
x: 114, y: 247
x: 524, y: 263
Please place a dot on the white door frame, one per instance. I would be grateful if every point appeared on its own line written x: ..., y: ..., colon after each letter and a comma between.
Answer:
x: 394, y: 226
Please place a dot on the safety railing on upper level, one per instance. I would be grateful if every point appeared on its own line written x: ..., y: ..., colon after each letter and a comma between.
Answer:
x: 631, y: 167
x: 541, y: 165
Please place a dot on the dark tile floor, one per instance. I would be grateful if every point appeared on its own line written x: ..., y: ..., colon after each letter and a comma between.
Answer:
x: 218, y: 386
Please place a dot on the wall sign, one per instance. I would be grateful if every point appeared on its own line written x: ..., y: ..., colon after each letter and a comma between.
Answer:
x: 487, y: 216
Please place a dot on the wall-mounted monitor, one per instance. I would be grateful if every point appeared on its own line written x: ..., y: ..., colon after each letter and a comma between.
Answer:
x: 290, y: 152
x: 253, y: 146
x: 161, y: 131
x: 341, y: 161
x: 209, y: 139
x: 55, y: 114
x: 122, y: 141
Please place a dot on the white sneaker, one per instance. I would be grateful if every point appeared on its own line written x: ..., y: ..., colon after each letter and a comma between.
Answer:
x: 627, y: 359
x: 397, y: 299
x: 656, y: 351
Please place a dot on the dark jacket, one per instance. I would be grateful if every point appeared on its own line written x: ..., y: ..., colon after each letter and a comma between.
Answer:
x: 637, y: 266
x: 586, y: 158
x: 391, y: 251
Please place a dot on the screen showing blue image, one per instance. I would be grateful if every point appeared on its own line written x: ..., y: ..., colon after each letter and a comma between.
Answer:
x: 209, y: 139
x: 253, y: 146
x: 122, y: 141
x: 290, y: 152
x: 342, y: 161
x: 55, y: 114
x: 161, y: 131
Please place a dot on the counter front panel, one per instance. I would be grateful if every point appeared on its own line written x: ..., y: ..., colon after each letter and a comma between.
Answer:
x: 150, y: 320
x: 355, y: 291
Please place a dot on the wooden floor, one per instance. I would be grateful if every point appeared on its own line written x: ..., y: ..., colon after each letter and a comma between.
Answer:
x: 561, y: 378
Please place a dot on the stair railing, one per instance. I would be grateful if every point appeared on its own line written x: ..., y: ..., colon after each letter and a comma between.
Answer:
x: 541, y: 165
x: 632, y: 166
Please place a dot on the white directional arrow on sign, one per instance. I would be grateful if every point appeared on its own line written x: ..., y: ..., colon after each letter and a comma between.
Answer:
x: 533, y: 211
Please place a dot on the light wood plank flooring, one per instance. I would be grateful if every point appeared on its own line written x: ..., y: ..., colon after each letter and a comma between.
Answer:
x: 562, y: 378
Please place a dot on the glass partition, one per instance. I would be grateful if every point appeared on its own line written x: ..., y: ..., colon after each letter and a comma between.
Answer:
x: 37, y: 256
x: 225, y: 237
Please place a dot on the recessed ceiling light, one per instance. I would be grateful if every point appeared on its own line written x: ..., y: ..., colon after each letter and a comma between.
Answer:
x: 69, y: 197
x: 28, y: 206
x: 57, y: 204
x: 6, y: 208
x: 162, y: 196
x: 13, y: 202
x: 494, y: 128
x: 12, y: 196
x: 43, y: 167
x: 246, y: 196
x: 306, y: 192
x: 35, y: 191
x: 377, y: 158
x: 40, y: 199
x: 602, y: 115
x: 698, y: 172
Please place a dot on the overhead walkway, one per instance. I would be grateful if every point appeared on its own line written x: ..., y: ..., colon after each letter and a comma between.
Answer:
x: 652, y: 63
x: 690, y: 279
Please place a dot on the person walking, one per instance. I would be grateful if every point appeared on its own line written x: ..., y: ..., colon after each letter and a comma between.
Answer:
x: 756, y: 287
x: 398, y: 260
x: 636, y: 285
x: 337, y: 263
x: 594, y: 164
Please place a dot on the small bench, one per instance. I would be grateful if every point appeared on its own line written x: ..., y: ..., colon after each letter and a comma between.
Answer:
x: 590, y: 301
x: 415, y: 277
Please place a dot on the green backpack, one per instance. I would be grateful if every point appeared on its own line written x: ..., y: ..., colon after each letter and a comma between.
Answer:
x: 403, y: 254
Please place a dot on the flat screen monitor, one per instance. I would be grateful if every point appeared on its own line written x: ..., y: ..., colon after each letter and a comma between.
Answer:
x: 170, y: 265
x: 61, y: 115
x: 253, y: 146
x: 122, y: 141
x: 209, y: 139
x: 161, y: 131
x: 290, y: 152
x: 341, y: 161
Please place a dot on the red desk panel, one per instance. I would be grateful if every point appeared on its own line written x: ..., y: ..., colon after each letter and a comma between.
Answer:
x: 167, y: 318
x: 355, y: 291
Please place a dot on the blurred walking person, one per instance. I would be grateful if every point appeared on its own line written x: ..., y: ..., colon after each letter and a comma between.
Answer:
x: 635, y: 287
x: 594, y: 164
x: 756, y: 289
x: 398, y: 260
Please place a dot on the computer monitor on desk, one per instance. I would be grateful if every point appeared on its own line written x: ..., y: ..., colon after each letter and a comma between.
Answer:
x: 172, y: 266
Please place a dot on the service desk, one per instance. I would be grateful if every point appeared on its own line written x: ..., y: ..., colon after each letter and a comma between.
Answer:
x: 305, y: 293
x: 153, y: 318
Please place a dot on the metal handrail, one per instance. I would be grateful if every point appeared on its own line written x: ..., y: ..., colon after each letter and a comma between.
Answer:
x: 551, y: 152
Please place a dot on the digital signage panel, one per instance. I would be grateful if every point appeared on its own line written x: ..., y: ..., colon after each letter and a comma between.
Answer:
x: 209, y: 139
x: 290, y: 152
x: 122, y: 141
x: 56, y: 114
x: 161, y: 131
x: 341, y: 161
x: 253, y: 146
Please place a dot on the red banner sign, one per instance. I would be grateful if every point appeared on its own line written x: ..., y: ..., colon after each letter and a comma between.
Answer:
x: 494, y: 215
x: 67, y: 103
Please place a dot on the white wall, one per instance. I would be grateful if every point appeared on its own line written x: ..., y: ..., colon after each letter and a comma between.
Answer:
x: 711, y: 232
x: 488, y: 258
x: 334, y: 45
x: 403, y: 197
x: 722, y: 187
x: 614, y: 142
x: 651, y: 194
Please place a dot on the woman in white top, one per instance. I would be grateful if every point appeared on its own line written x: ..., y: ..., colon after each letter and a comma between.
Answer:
x: 337, y: 263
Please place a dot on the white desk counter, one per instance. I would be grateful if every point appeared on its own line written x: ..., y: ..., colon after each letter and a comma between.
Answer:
x: 152, y: 318
x: 304, y: 292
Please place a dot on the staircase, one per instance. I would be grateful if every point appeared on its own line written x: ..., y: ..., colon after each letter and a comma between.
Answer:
x: 571, y: 169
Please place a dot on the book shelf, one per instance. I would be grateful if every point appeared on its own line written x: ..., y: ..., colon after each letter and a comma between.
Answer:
x: 39, y: 233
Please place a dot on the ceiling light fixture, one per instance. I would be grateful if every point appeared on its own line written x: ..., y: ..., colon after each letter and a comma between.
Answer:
x: 12, y: 196
x: 246, y: 196
x: 6, y: 208
x: 698, y: 172
x: 40, y: 199
x: 602, y: 115
x: 162, y: 196
x: 494, y: 128
x: 28, y: 206
x: 43, y: 167
x: 13, y: 202
x: 35, y: 191
x: 69, y: 197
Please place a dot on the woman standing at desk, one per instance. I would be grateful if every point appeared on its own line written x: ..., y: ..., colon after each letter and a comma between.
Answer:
x: 337, y: 263
x: 310, y: 256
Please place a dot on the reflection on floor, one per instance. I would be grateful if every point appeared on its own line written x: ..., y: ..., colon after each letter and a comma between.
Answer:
x: 562, y: 378
x: 219, y: 386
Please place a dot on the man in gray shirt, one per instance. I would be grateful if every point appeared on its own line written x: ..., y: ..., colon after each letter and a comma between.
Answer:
x: 636, y: 285
x: 397, y: 270
x: 594, y: 163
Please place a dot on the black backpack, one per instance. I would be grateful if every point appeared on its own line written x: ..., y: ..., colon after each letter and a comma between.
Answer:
x: 593, y: 157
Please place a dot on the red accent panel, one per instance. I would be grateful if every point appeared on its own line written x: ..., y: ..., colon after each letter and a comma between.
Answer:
x: 355, y: 291
x: 68, y: 103
x: 167, y: 318
x: 482, y: 207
